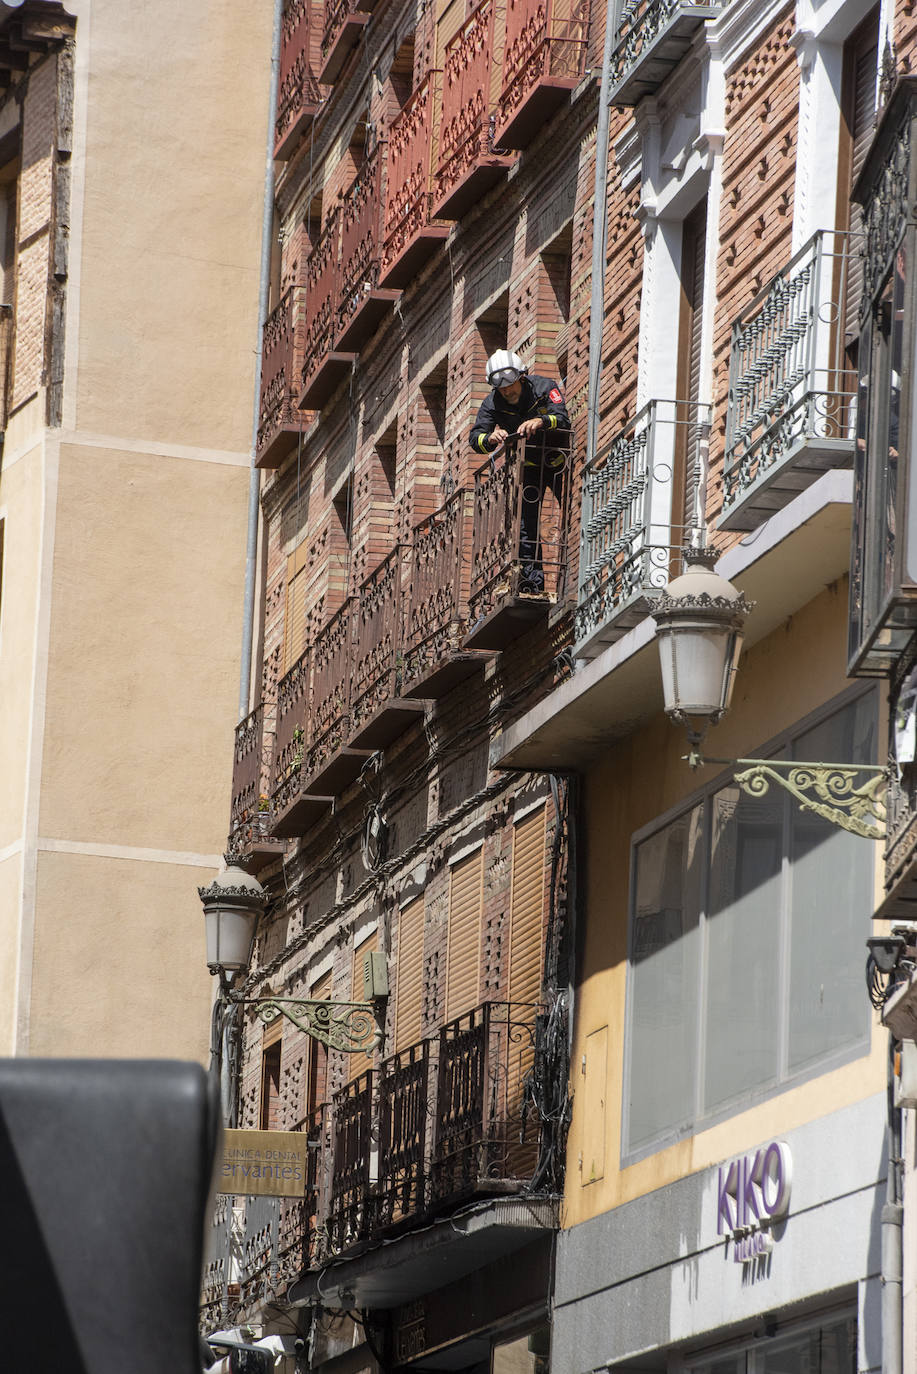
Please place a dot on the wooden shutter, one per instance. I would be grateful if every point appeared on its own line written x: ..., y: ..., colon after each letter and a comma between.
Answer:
x: 858, y: 105
x: 294, y: 625
x: 690, y: 358
x: 464, y: 950
x: 527, y: 908
x: 367, y: 946
x: 409, y: 991
x: 317, y: 1080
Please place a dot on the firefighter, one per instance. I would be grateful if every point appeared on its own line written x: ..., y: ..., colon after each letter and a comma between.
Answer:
x: 533, y: 409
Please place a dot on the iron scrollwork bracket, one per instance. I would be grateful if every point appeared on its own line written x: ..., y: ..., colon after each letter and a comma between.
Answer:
x: 830, y: 790
x: 345, y: 1026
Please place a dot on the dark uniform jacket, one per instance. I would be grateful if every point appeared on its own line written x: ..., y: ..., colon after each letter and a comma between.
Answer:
x: 540, y: 396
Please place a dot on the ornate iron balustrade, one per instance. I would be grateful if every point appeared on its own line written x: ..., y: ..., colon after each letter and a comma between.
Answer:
x: 378, y: 634
x: 298, y: 95
x: 281, y: 364
x: 653, y: 36
x: 332, y: 658
x: 437, y: 601
x: 344, y: 24
x: 350, y: 1210
x: 323, y: 367
x: 292, y: 740
x: 468, y: 164
x: 632, y: 521
x: 792, y: 391
x: 258, y: 1260
x: 519, y: 532
x: 479, y: 1134
x: 362, y: 302
x: 252, y: 814
x: 543, y: 60
x: 409, y: 235
x: 404, y: 1129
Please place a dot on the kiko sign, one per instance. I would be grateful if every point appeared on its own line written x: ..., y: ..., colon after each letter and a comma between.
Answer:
x: 752, y: 1192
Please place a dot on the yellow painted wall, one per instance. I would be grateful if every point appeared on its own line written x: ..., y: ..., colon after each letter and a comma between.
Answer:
x: 783, y: 678
x: 21, y: 512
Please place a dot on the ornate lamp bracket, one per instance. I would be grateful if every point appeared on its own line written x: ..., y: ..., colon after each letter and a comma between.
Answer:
x: 831, y: 790
x: 346, y: 1026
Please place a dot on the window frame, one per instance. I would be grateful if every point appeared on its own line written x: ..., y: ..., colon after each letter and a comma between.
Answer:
x: 787, y: 1078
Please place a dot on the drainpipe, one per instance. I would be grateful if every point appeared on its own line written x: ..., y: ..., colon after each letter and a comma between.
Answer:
x: 892, y: 1223
x: 599, y: 236
x: 254, y: 481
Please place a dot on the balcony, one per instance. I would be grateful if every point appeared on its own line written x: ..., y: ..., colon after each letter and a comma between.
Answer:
x: 410, y: 236
x: 279, y: 420
x: 468, y: 164
x: 345, y: 21
x: 330, y: 764
x: 543, y: 61
x: 519, y: 539
x: 251, y: 818
x: 437, y: 603
x: 362, y: 302
x: 323, y: 367
x: 298, y: 96
x: 378, y: 711
x: 653, y: 36
x: 632, y: 518
x: 294, y: 808
x: 792, y: 392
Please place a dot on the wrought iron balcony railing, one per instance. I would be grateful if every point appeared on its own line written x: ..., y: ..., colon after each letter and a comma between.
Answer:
x: 410, y: 235
x: 519, y: 540
x: 543, y: 60
x: 468, y: 164
x: 279, y: 419
x: 436, y: 611
x: 330, y: 764
x: 792, y: 390
x: 635, y: 494
x: 298, y: 97
x: 653, y: 36
x: 251, y: 813
x: 293, y: 806
x: 345, y: 21
x: 362, y: 303
x: 323, y: 366
x: 435, y: 1125
x: 378, y: 711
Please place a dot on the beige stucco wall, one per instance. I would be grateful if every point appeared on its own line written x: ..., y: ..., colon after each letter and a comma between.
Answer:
x: 170, y: 220
x: 781, y: 679
x: 133, y: 603
x: 119, y: 959
x: 21, y: 512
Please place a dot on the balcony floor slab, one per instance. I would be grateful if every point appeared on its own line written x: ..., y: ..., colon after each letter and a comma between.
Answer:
x: 345, y: 40
x: 301, y: 815
x: 543, y: 100
x: 337, y: 772
x: 662, y: 54
x: 417, y: 251
x: 781, y: 483
x: 428, y: 1259
x: 438, y: 679
x: 802, y: 550
x: 373, y: 309
x: 507, y: 621
x: 328, y: 376
x: 472, y: 187
x: 389, y: 721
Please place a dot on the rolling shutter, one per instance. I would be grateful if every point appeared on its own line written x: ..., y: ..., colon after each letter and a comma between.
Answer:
x: 294, y: 624
x: 409, y: 992
x: 527, y: 908
x: 860, y: 62
x: 464, y: 950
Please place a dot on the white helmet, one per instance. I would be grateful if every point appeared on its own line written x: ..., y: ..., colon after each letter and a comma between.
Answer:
x: 504, y: 368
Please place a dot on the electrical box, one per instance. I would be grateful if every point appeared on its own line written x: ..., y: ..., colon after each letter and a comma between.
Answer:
x: 906, y: 1075
x: 375, y: 976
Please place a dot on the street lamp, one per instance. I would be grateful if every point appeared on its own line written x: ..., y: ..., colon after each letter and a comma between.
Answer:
x: 233, y: 904
x: 700, y: 619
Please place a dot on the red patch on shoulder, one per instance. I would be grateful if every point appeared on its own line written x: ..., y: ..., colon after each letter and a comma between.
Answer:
x: 555, y: 395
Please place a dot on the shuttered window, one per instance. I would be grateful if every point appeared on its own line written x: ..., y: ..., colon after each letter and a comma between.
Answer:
x: 464, y: 949
x: 294, y: 625
x: 858, y: 124
x: 527, y: 908
x: 690, y: 357
x: 367, y: 946
x: 317, y: 1081
x: 409, y: 993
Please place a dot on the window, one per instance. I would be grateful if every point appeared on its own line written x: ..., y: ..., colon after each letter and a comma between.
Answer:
x: 829, y: 1348
x: 746, y: 946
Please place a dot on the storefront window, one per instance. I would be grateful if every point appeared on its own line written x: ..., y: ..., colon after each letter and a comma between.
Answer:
x: 826, y: 1349
x: 746, y: 946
